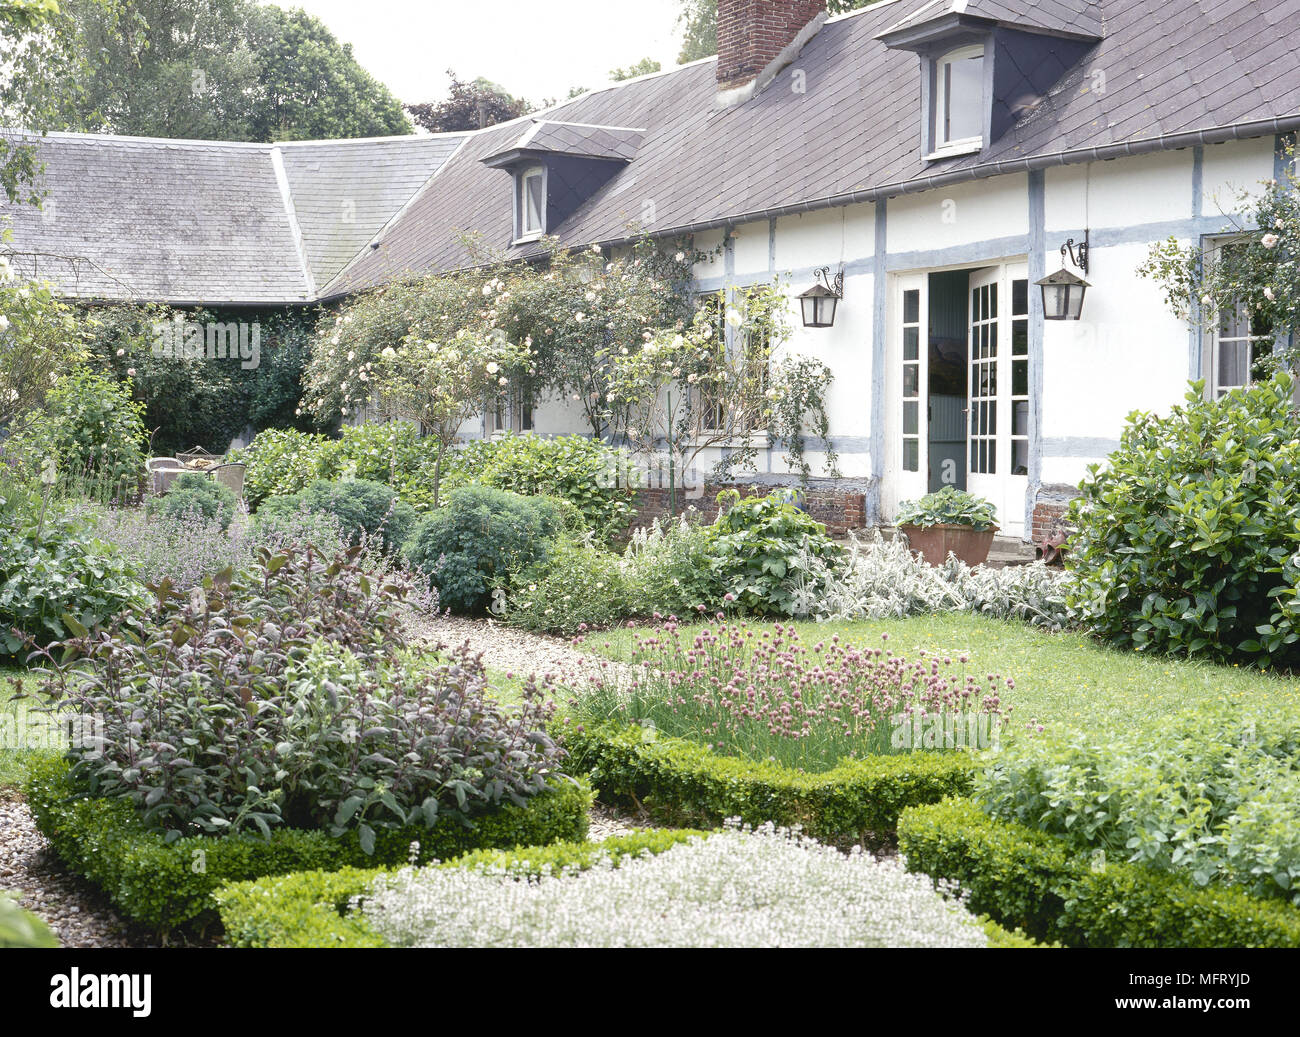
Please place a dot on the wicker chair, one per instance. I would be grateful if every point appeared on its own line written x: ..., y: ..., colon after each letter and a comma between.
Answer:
x: 231, y: 476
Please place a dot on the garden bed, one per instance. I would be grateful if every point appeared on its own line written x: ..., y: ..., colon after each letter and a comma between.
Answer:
x: 168, y: 885
x: 335, y: 909
x: 681, y: 782
x: 1029, y: 880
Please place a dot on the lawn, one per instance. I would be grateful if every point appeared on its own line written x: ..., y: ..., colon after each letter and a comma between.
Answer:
x: 13, y: 759
x: 1059, y: 677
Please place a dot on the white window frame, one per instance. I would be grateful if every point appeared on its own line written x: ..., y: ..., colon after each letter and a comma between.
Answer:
x: 1214, y: 389
x: 944, y: 148
x: 523, y: 231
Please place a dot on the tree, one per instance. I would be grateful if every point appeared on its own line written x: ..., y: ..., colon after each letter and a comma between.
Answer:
x: 220, y: 70
x: 39, y: 342
x: 700, y: 21
x: 469, y: 106
x: 443, y: 384
x: 39, y: 56
x: 688, y: 392
x: 311, y: 87
x: 642, y: 68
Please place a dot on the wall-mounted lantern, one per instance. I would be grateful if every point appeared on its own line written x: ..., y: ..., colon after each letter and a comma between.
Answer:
x: 1063, y: 291
x: 819, y: 302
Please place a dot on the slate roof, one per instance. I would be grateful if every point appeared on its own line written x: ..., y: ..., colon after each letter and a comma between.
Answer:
x: 345, y: 191
x: 1067, y: 17
x: 128, y: 218
x: 618, y: 143
x: 1172, y: 67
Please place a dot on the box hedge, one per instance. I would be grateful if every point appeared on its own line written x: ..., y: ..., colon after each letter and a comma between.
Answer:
x: 168, y: 885
x: 308, y: 908
x: 1029, y: 880
x: 680, y: 781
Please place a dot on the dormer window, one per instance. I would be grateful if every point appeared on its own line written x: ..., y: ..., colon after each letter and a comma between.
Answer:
x: 959, y: 103
x: 530, y: 203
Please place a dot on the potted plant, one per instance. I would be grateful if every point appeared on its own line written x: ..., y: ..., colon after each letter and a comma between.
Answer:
x: 949, y: 520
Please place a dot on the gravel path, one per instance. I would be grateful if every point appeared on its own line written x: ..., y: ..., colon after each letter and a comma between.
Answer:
x: 76, y: 912
x: 506, y: 648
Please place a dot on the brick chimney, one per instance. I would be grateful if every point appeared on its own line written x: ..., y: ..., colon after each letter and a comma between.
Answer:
x: 753, y: 33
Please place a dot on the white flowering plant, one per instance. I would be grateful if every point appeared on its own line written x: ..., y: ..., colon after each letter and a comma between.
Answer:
x: 443, y: 384
x: 767, y: 887
x: 1252, y: 271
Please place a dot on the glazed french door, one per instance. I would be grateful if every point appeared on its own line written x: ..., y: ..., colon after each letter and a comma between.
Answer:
x: 911, y: 355
x: 998, y: 391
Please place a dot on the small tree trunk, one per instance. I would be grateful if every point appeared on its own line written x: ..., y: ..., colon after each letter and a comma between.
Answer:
x: 437, y: 474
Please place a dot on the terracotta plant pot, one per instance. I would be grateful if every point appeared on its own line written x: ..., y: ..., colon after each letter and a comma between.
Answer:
x: 933, y: 543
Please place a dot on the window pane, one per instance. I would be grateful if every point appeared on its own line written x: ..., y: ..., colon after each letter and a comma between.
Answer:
x: 1019, y: 457
x: 911, y: 380
x: 911, y: 343
x: 1234, y: 363
x: 911, y: 307
x: 536, y: 203
x: 1020, y: 378
x: 1020, y: 338
x: 911, y: 455
x: 1020, y: 419
x: 1019, y: 297
x: 910, y: 412
x: 963, y: 98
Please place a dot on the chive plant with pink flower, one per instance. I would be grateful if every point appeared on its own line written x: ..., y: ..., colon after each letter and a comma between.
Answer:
x: 762, y: 692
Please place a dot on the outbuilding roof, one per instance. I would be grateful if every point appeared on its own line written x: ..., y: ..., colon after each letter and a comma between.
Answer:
x: 189, y: 221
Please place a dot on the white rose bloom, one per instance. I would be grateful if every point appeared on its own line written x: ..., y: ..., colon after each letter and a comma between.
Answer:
x: 4, y: 322
x: 492, y: 367
x: 1269, y: 240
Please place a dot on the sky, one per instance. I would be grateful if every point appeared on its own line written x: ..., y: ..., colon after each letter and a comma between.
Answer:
x: 535, y: 50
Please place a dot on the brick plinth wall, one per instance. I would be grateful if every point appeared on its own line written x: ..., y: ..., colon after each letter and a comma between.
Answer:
x: 751, y: 33
x: 1049, y: 510
x: 838, y: 510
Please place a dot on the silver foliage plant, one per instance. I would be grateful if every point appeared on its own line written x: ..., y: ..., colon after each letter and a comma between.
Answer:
x: 764, y: 888
x: 883, y: 579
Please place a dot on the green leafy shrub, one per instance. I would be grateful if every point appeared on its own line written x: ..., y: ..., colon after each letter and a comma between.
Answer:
x: 578, y: 585
x: 280, y: 462
x: 359, y: 506
x: 669, y: 569
x: 168, y: 884
x: 1032, y: 881
x: 584, y: 471
x: 1189, y: 537
x: 194, y: 495
x: 19, y: 928
x: 757, y: 546
x: 479, y: 540
x: 92, y: 430
x: 682, y: 782
x: 56, y: 570
x: 311, y: 908
x: 948, y: 506
x: 1213, y: 795
x: 200, y: 399
x: 393, y: 453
